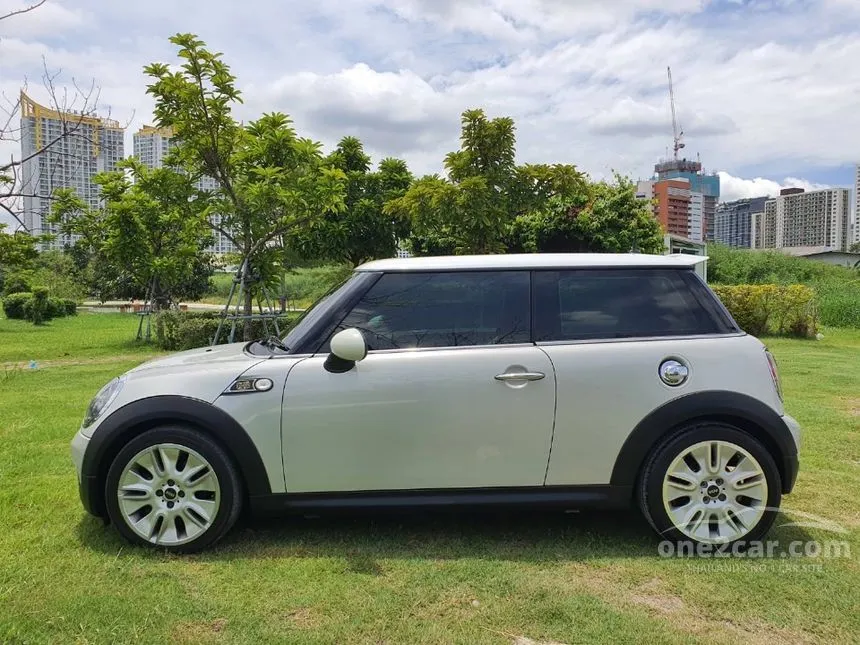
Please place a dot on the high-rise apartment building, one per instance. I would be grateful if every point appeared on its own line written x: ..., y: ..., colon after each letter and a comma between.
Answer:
x: 672, y: 205
x: 856, y: 236
x: 151, y: 147
x: 708, y: 185
x: 800, y: 219
x: 679, y: 210
x: 763, y: 227
x: 733, y: 221
x: 83, y: 145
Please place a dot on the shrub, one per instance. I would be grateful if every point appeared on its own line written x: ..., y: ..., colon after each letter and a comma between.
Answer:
x: 177, y: 330
x: 37, y: 307
x: 61, y: 307
x: 14, y: 304
x: 70, y: 307
x: 762, y: 309
x: 16, y: 283
x: 837, y: 288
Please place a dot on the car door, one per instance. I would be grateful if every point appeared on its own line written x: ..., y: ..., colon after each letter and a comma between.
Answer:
x: 452, y: 393
x: 607, y: 332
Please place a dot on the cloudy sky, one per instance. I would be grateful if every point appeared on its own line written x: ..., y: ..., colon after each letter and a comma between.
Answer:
x: 768, y: 91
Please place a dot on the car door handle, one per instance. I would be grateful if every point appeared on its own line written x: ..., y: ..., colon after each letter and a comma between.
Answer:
x: 520, y: 376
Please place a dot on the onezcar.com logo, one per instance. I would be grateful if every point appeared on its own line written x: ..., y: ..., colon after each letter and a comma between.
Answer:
x: 764, y: 549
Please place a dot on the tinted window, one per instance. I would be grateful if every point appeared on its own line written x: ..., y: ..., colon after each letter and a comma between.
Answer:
x: 584, y: 304
x: 409, y: 310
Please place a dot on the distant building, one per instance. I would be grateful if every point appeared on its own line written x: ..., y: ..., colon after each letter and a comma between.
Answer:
x: 151, y: 147
x: 708, y: 185
x: 696, y: 221
x: 672, y: 206
x: 856, y: 236
x: 90, y: 145
x: 828, y: 256
x: 815, y: 219
x: 763, y: 225
x: 733, y: 221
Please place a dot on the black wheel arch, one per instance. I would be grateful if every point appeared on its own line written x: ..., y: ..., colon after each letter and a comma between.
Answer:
x: 740, y: 410
x: 139, y: 416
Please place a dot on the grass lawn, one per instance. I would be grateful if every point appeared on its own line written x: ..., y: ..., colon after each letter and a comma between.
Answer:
x: 578, y: 578
x: 82, y: 338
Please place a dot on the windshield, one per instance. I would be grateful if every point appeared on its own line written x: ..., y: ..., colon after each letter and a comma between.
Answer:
x: 313, y: 313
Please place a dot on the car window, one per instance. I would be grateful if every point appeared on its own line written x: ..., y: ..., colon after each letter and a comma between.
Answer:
x: 414, y: 310
x: 588, y: 304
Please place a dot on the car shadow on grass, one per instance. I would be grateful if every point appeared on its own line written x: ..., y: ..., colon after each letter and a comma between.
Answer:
x: 362, y: 540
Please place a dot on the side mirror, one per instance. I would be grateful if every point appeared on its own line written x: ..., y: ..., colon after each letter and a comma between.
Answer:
x: 347, y: 348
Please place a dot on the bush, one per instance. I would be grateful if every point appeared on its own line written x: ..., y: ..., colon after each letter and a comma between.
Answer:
x: 177, y: 330
x: 37, y: 308
x: 14, y: 304
x: 772, y: 309
x: 837, y: 288
x: 15, y: 284
x: 70, y: 307
x: 61, y: 307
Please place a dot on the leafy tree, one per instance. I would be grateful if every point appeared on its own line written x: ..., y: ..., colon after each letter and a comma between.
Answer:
x: 361, y: 230
x: 148, y: 235
x: 17, y: 253
x: 603, y: 218
x: 271, y: 181
x: 471, y: 210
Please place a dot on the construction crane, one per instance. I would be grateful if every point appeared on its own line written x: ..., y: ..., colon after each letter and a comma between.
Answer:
x: 676, y: 130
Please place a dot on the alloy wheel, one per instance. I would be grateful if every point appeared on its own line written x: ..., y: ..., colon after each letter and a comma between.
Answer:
x: 168, y: 494
x: 715, y: 492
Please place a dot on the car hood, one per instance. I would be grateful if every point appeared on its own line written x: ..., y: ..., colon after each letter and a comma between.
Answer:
x: 202, y: 357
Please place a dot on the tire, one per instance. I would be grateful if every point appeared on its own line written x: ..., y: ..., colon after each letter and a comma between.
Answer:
x: 157, y: 497
x: 742, y: 487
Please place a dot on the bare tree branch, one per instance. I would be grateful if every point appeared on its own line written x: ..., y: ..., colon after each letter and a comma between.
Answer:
x: 74, y: 111
x: 18, y: 12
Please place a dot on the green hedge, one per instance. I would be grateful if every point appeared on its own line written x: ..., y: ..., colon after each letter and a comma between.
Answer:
x: 14, y: 303
x: 837, y: 288
x: 18, y: 306
x: 179, y: 330
x: 770, y: 309
x: 16, y: 283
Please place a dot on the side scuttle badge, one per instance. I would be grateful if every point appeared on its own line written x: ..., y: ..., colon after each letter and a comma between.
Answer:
x: 248, y: 385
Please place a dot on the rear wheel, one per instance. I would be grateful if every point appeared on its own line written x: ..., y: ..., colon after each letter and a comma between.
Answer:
x: 710, y: 484
x: 172, y: 487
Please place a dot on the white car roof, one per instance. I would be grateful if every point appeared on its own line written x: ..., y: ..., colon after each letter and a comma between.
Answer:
x: 533, y: 261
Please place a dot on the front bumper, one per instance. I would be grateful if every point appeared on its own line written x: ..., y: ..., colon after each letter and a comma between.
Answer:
x: 791, y: 463
x: 87, y: 485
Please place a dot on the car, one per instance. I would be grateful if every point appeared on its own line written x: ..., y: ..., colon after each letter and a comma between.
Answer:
x: 563, y: 381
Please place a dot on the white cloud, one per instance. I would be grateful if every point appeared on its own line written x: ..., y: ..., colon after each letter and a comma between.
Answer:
x: 767, y: 85
x: 49, y: 19
x: 732, y: 188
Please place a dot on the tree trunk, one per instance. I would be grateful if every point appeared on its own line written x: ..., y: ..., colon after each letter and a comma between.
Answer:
x: 248, y: 301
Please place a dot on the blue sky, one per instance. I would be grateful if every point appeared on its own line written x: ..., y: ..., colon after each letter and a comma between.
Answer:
x: 768, y: 91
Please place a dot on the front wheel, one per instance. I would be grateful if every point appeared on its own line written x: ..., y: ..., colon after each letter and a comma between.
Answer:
x: 710, y: 484
x: 174, y: 488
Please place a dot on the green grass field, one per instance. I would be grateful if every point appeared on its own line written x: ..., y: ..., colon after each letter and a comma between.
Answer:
x: 575, y: 578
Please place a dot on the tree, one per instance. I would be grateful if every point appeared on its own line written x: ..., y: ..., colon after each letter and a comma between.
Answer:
x: 471, y: 209
x: 149, y: 234
x: 361, y: 230
x: 603, y: 218
x: 271, y: 181
x: 17, y: 253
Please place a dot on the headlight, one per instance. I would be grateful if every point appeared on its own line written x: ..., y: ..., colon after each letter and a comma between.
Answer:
x: 102, y: 400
